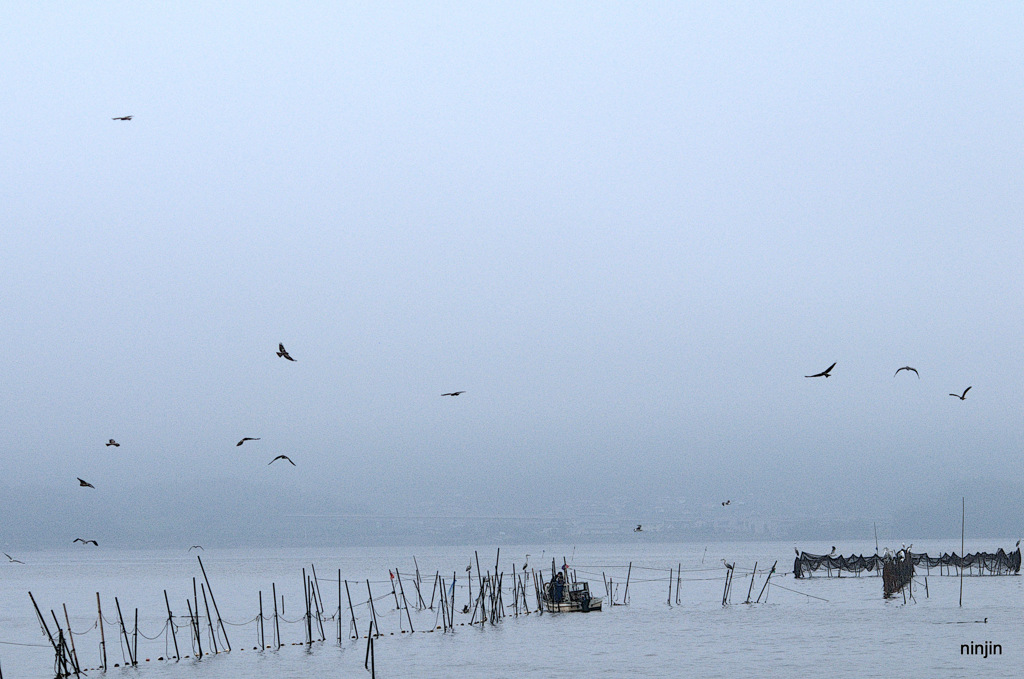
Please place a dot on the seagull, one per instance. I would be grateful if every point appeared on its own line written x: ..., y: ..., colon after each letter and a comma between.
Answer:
x: 833, y: 552
x: 963, y: 395
x: 85, y: 542
x: 638, y: 529
x: 283, y: 353
x: 1016, y: 545
x: 453, y: 393
x: 247, y: 438
x: 12, y: 559
x: 907, y: 367
x: 114, y: 443
x: 823, y: 373
x: 727, y: 502
x: 84, y: 483
x: 196, y: 547
x: 797, y: 551
x: 122, y: 118
x: 280, y: 457
x: 469, y: 567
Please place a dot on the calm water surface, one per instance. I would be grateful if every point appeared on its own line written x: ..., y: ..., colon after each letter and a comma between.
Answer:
x: 840, y: 626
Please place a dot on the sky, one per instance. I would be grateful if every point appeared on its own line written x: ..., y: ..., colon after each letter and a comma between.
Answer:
x: 626, y: 231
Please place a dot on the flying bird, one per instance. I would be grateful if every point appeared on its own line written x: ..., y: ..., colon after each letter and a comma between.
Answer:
x: 85, y: 542
x: 453, y: 393
x: 638, y: 529
x: 114, y: 443
x: 907, y: 367
x: 963, y: 395
x: 84, y: 483
x: 196, y: 547
x: 247, y: 438
x: 727, y: 502
x: 823, y: 373
x: 12, y: 559
x: 122, y: 118
x: 283, y: 353
x: 281, y: 457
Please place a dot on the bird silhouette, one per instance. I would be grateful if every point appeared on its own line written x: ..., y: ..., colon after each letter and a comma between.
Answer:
x: 12, y: 559
x: 84, y: 483
x: 823, y: 373
x: 907, y: 367
x: 453, y: 393
x: 797, y: 551
x: 247, y: 438
x: 196, y: 547
x: 122, y: 118
x: 833, y: 552
x: 639, y: 528
x: 85, y: 542
x: 281, y: 457
x: 112, y: 442
x: 963, y: 395
x: 469, y: 567
x: 727, y: 502
x: 283, y: 353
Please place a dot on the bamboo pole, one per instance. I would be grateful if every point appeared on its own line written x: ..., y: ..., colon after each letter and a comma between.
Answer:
x: 209, y: 619
x: 402, y: 588
x: 124, y: 631
x: 71, y: 637
x: 193, y: 625
x: 170, y: 623
x: 373, y: 609
x: 261, y: 634
x: 135, y: 639
x: 103, y: 640
x: 277, y: 627
x: 625, y: 594
x: 355, y: 630
x: 963, y: 521
x: 219, y: 621
x: 751, y: 588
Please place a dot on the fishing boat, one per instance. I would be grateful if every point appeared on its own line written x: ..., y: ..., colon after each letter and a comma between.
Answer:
x: 562, y: 596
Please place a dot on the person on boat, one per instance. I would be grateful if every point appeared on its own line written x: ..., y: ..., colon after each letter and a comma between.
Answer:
x: 559, y: 583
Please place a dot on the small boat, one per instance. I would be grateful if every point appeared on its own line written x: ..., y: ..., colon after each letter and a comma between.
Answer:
x: 560, y: 596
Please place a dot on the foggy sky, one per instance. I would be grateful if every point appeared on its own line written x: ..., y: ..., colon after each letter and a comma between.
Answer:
x: 627, y: 232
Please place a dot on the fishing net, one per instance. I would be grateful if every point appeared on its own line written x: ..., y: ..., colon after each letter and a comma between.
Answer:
x: 987, y: 563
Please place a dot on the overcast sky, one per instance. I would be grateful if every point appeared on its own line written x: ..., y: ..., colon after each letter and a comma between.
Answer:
x: 627, y: 231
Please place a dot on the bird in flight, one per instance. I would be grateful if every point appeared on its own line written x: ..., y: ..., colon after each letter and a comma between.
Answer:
x: 247, y: 438
x: 281, y: 457
x: 12, y: 559
x: 639, y: 528
x: 453, y: 393
x: 86, y: 542
x: 114, y: 443
x: 823, y: 373
x: 907, y: 367
x: 122, y: 118
x: 196, y: 547
x: 963, y: 395
x: 283, y: 353
x: 84, y: 483
x: 727, y: 502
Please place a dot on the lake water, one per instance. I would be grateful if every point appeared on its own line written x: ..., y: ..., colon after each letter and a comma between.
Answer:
x: 839, y: 626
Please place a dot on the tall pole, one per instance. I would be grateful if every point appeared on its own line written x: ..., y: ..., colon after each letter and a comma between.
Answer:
x: 215, y: 609
x: 170, y: 623
x: 963, y: 518
x: 103, y: 641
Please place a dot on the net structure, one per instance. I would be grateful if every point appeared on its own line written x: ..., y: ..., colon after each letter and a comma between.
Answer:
x: 985, y: 563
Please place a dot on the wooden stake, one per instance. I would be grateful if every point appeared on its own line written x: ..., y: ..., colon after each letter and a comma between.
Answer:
x: 124, y: 631
x: 71, y: 638
x: 963, y: 521
x: 355, y: 630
